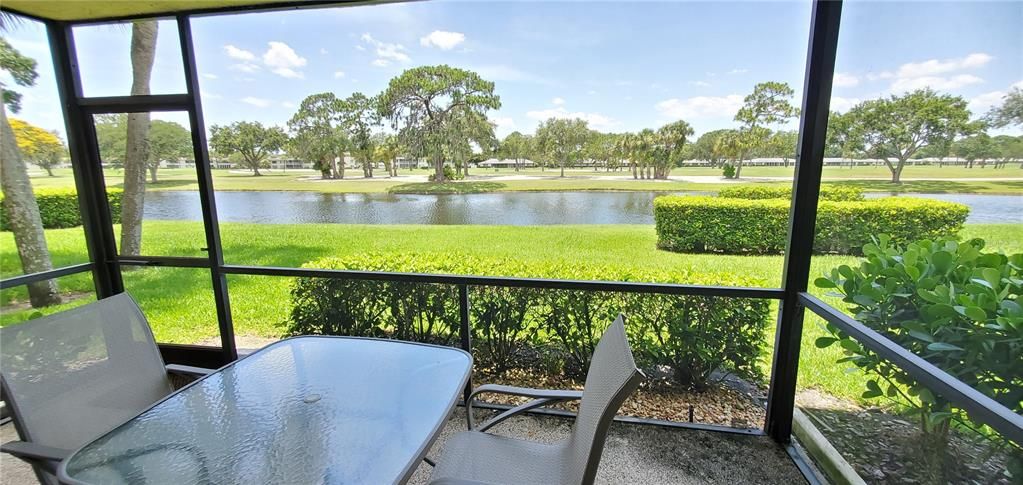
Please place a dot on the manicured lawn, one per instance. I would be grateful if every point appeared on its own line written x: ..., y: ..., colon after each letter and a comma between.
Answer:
x: 179, y: 301
x: 867, y: 178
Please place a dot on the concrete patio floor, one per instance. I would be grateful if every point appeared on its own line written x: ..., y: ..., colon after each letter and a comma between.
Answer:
x: 634, y: 453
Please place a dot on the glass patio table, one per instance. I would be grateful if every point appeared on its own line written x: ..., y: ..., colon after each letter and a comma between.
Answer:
x: 302, y: 410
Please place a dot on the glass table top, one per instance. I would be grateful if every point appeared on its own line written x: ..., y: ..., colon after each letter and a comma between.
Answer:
x: 303, y: 410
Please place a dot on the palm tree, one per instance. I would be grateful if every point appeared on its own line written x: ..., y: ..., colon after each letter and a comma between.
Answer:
x: 143, y: 52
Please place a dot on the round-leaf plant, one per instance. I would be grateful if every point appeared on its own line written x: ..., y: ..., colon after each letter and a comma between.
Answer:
x: 949, y: 302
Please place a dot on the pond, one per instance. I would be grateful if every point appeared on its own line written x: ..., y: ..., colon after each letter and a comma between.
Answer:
x: 498, y: 208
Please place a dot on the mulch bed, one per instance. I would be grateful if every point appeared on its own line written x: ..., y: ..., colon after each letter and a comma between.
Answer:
x: 887, y: 448
x: 657, y: 399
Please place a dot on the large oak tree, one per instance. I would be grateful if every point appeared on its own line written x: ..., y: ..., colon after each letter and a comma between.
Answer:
x: 250, y: 141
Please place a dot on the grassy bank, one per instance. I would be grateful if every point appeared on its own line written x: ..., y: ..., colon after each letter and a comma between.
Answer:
x: 942, y: 180
x: 179, y: 301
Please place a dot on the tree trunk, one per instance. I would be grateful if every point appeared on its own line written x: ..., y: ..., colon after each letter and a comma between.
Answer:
x: 738, y: 168
x: 49, y: 171
x: 23, y: 219
x: 897, y: 172
x: 143, y: 52
x: 152, y: 173
x: 562, y: 169
x: 255, y: 170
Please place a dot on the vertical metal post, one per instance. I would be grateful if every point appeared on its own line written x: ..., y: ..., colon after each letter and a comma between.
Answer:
x: 206, y: 194
x: 465, y: 332
x: 85, y: 164
x: 813, y: 125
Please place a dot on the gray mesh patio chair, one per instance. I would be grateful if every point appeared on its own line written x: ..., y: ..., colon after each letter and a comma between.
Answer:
x: 70, y: 377
x: 476, y: 457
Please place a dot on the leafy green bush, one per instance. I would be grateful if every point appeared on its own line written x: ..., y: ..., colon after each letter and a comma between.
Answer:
x: 719, y: 224
x: 728, y: 170
x: 58, y: 208
x: 756, y: 192
x: 449, y: 174
x: 693, y: 335
x: 951, y: 303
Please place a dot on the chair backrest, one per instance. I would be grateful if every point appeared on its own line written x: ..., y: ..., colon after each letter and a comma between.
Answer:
x: 612, y: 377
x: 72, y: 376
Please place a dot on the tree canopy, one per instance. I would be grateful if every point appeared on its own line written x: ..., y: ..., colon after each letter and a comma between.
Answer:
x: 562, y: 141
x: 250, y: 140
x: 429, y: 105
x: 38, y: 146
x: 318, y: 134
x: 22, y: 70
x: 1010, y: 113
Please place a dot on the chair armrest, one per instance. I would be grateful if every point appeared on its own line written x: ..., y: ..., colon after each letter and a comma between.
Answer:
x: 560, y: 394
x: 34, y: 451
x: 188, y: 370
x: 541, y: 397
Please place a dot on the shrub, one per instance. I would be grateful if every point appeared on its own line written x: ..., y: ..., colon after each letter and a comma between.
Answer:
x: 756, y: 192
x: 449, y: 174
x: 695, y: 336
x: 950, y: 303
x: 58, y: 208
x: 728, y: 170
x: 718, y: 224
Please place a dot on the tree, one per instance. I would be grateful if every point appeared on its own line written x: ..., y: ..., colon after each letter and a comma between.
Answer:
x: 781, y: 144
x: 358, y: 115
x: 38, y: 146
x: 979, y: 147
x: 110, y: 136
x: 317, y: 134
x: 424, y: 103
x: 733, y: 145
x: 469, y: 133
x: 1010, y: 112
x: 602, y: 147
x: 768, y: 104
x: 516, y: 146
x: 136, y: 155
x: 895, y: 128
x: 1010, y: 149
x: 250, y: 140
x: 19, y: 201
x: 562, y: 140
x: 385, y: 151
x: 705, y: 147
x: 669, y: 147
x: 167, y: 141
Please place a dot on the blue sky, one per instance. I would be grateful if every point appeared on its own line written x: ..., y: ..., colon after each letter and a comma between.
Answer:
x: 621, y: 66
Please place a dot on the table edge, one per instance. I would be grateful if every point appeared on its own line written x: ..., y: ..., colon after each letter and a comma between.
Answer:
x: 407, y: 470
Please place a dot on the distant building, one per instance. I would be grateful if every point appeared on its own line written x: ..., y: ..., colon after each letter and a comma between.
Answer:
x: 505, y: 163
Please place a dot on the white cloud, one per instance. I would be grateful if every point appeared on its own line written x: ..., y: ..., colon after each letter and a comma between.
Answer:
x: 738, y: 71
x: 595, y: 120
x: 880, y: 75
x: 503, y: 122
x: 339, y: 74
x: 702, y: 84
x: 934, y: 82
x: 240, y: 54
x: 386, y: 52
x: 840, y: 104
x: 360, y: 48
x: 1017, y: 85
x: 983, y: 102
x: 245, y: 67
x: 935, y: 66
x: 283, y: 60
x: 558, y: 101
x: 844, y: 80
x: 209, y: 76
x: 257, y: 102
x: 701, y: 106
x: 380, y: 63
x: 442, y: 39
x: 287, y: 104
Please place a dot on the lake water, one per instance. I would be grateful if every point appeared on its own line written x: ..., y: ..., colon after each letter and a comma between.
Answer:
x: 507, y: 208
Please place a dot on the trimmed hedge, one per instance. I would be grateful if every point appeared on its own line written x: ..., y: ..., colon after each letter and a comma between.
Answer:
x: 550, y: 331
x: 756, y: 192
x: 58, y: 208
x: 718, y: 224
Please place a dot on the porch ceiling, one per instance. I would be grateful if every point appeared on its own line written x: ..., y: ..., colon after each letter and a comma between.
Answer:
x: 85, y: 10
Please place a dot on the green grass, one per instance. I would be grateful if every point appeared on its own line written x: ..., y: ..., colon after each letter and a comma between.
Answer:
x: 867, y: 178
x: 179, y: 301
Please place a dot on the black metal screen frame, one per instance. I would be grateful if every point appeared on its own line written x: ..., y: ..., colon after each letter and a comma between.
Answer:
x: 106, y: 263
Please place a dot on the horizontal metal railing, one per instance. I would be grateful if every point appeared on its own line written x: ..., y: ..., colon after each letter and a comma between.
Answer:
x: 44, y: 275
x: 979, y: 406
